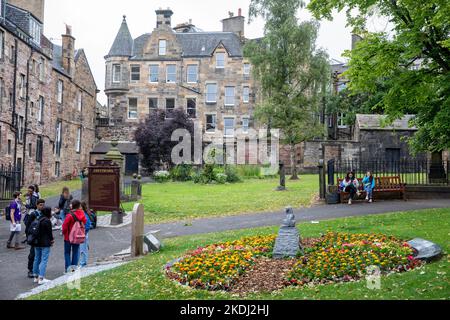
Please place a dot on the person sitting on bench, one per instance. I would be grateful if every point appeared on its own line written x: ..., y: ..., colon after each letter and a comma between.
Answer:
x: 369, y: 185
x: 350, y: 185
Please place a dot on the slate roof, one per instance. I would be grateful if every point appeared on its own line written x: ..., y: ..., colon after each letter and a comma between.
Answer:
x: 124, y: 148
x: 123, y: 44
x: 193, y: 43
x: 19, y: 17
x: 375, y: 122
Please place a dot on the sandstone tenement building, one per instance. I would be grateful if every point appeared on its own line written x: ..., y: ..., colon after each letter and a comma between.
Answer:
x: 203, y: 73
x: 48, y: 97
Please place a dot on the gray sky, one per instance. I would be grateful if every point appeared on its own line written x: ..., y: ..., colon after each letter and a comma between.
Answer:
x: 95, y: 24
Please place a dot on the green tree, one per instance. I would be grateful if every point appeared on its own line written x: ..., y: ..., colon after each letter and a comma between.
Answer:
x: 413, y: 61
x: 292, y: 72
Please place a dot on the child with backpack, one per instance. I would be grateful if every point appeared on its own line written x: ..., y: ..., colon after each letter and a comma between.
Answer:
x: 84, y: 247
x: 14, y: 215
x: 41, y: 236
x: 28, y: 221
x: 74, y: 233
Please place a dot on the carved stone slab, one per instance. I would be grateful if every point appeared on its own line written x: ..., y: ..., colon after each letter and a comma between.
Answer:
x: 425, y: 249
x: 287, y: 243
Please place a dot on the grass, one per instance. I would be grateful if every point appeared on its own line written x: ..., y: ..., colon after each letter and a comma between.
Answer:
x: 144, y: 279
x: 185, y: 200
x: 54, y: 189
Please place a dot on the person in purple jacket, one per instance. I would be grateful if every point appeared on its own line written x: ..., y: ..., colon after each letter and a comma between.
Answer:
x: 15, y: 226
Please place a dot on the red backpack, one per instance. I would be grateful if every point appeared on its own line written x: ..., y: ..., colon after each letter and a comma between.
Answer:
x: 78, y: 233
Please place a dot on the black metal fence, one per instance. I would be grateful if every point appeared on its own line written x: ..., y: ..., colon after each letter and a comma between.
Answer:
x: 411, y: 171
x: 9, y: 182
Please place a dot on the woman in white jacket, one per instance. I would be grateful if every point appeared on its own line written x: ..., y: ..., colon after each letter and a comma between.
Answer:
x: 351, y: 186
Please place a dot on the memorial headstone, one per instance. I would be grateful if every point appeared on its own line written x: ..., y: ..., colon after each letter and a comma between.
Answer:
x: 153, y: 244
x: 282, y: 186
x: 137, y: 231
x: 104, y: 186
x: 426, y: 250
x: 287, y: 243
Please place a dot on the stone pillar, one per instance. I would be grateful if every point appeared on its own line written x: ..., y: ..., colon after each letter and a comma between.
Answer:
x: 137, y: 231
x: 322, y: 183
x: 282, y: 186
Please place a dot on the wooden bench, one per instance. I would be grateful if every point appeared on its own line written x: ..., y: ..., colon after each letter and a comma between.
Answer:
x: 391, y: 184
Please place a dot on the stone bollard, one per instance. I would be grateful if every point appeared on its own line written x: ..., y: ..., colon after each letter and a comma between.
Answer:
x: 117, y: 218
x: 137, y: 231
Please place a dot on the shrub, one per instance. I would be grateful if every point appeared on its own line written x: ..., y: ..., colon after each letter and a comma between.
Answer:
x: 221, y: 178
x: 232, y: 174
x: 182, y: 173
x: 161, y: 176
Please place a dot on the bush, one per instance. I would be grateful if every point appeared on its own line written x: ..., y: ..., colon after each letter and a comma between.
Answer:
x: 181, y: 173
x: 221, y: 178
x: 232, y: 174
x: 161, y: 176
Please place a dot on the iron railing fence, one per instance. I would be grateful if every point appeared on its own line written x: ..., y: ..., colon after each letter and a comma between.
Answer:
x: 10, y: 178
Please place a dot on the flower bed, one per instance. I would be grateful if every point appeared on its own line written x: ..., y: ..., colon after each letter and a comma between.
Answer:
x: 216, y: 267
x: 343, y: 257
x: 335, y: 257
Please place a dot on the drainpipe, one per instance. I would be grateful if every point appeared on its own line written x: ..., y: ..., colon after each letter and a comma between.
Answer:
x: 27, y: 103
x: 14, y: 118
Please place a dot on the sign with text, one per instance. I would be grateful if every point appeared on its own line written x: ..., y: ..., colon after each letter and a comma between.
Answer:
x: 104, y: 186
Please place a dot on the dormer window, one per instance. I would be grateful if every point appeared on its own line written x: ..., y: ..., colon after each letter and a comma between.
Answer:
x: 35, y: 31
x: 162, y: 47
x: 220, y: 60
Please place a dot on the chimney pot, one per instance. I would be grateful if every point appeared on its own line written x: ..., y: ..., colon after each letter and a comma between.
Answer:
x: 240, y: 12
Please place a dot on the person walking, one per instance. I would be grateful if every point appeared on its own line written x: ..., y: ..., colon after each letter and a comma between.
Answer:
x: 351, y: 186
x: 44, y: 242
x: 31, y: 199
x: 15, y: 226
x: 84, y: 247
x: 71, y: 247
x: 369, y: 186
x: 30, y: 218
x: 37, y: 193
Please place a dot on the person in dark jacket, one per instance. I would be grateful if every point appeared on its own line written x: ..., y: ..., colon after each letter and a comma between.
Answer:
x: 84, y: 247
x: 64, y: 204
x: 31, y: 199
x: 45, y: 241
x: 36, y: 214
x: 72, y: 250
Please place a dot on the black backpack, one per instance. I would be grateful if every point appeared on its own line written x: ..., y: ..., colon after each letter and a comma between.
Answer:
x: 8, y: 213
x: 33, y: 234
x: 93, y: 218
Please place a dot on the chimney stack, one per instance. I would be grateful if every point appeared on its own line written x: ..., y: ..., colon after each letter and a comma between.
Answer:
x: 235, y: 24
x: 68, y: 51
x: 164, y: 18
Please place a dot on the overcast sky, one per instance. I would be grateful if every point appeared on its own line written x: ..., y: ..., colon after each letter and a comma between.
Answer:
x: 95, y: 24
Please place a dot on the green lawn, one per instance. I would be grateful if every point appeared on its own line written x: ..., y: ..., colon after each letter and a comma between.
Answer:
x: 145, y: 280
x: 55, y: 188
x: 183, y: 201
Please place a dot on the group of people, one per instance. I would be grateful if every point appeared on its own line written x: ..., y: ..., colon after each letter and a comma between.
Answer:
x: 351, y: 185
x: 40, y: 220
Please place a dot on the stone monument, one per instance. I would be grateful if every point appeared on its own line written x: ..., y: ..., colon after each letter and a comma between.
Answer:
x: 288, y: 240
x: 425, y: 250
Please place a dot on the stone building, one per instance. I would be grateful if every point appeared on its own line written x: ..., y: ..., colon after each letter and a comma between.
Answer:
x: 48, y: 97
x: 203, y: 73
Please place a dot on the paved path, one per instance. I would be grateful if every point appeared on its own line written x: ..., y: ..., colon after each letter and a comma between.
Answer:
x: 106, y: 242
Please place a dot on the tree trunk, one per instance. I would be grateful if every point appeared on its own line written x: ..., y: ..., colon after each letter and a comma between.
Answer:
x: 294, y: 163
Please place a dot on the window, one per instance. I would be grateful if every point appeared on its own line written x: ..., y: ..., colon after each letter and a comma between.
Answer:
x: 22, y: 86
x: 245, y: 125
x: 78, y: 145
x: 341, y: 121
x: 229, y: 127
x: 192, y: 73
x: 2, y: 44
x: 162, y: 47
x: 58, y: 140
x: 211, y: 93
x: 20, y: 129
x: 57, y: 169
x: 152, y: 104
x: 154, y: 74
x: 220, y: 60
x: 30, y: 150
x: 9, y: 147
x: 211, y: 123
x: 132, y: 108
x: 192, y: 107
x: 117, y: 71
x: 39, y: 147
x: 246, y: 95
x: 35, y: 31
x: 60, y: 91
x: 135, y: 73
x: 42, y: 69
x: 80, y: 101
x: 246, y: 69
x: 229, y: 96
x: 40, y: 115
x: 12, y: 54
x: 170, y: 106
x: 1, y: 93
x: 171, y: 76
